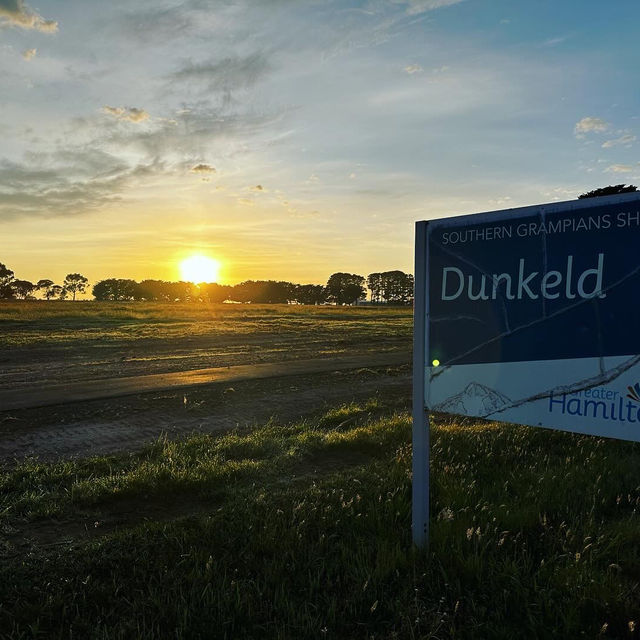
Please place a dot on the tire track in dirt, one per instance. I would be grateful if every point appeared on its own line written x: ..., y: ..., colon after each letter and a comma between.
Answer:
x: 249, y: 402
x: 42, y: 395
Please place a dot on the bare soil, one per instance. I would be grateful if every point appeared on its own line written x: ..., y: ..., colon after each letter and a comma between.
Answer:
x: 100, y: 427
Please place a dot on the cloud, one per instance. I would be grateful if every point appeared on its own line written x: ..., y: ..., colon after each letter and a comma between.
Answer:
x: 619, y: 168
x: 226, y: 75
x: 552, y: 42
x: 29, y: 54
x: 68, y: 182
x: 421, y: 6
x: 590, y: 125
x: 15, y: 13
x: 625, y: 139
x: 413, y: 68
x: 202, y: 168
x: 126, y: 113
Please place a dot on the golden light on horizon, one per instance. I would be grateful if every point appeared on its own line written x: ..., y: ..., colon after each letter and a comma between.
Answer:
x: 199, y: 269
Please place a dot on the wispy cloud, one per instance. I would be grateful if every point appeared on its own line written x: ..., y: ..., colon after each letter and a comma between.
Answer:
x: 226, y: 74
x: 590, y: 124
x: 132, y: 114
x: 421, y: 6
x: 413, y: 68
x: 79, y: 182
x: 15, y: 13
x: 625, y: 139
x: 552, y: 42
x: 619, y: 168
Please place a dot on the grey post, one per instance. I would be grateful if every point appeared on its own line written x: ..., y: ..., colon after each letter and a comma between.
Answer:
x: 420, y: 488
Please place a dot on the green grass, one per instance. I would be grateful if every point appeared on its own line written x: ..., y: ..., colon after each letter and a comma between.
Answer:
x: 37, y: 323
x: 303, y: 531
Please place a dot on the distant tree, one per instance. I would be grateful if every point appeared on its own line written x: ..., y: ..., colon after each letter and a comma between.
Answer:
x: 392, y: 287
x: 309, y: 293
x: 47, y: 288
x: 22, y: 288
x: 213, y: 292
x: 374, y: 283
x: 182, y: 291
x: 55, y: 291
x: 155, y: 290
x: 262, y: 292
x: 345, y: 288
x: 116, y: 289
x: 6, y: 278
x: 43, y: 285
x: 75, y: 283
x: 608, y: 191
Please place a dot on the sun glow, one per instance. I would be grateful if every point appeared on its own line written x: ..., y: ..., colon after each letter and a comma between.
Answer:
x: 199, y: 269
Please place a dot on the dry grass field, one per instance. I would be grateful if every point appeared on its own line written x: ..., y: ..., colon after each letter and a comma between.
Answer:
x: 65, y: 341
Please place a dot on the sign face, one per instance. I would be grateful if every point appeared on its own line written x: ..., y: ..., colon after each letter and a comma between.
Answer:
x: 532, y: 315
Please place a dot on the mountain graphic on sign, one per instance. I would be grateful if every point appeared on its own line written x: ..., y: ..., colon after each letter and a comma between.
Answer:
x: 475, y: 400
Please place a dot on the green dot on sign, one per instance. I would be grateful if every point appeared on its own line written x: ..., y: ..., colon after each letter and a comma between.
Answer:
x: 436, y: 363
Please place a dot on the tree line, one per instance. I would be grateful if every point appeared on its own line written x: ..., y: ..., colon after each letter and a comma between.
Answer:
x: 12, y: 288
x: 388, y: 287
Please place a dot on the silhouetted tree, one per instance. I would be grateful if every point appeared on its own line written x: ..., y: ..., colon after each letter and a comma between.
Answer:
x: 116, y: 289
x: 309, y: 293
x: 75, y: 283
x: 345, y: 288
x: 22, y: 288
x: 44, y: 285
x: 213, y: 292
x: 262, y: 292
x: 608, y: 191
x: 55, y: 291
x: 374, y: 283
x: 6, y: 278
x: 181, y: 291
x: 155, y: 290
x: 392, y: 287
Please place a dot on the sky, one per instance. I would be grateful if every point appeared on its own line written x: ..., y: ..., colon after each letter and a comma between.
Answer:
x: 290, y: 139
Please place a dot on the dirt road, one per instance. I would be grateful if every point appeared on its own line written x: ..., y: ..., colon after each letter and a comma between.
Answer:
x: 216, y: 401
x: 41, y: 394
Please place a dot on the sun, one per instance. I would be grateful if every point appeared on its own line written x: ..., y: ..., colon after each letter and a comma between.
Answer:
x: 199, y: 269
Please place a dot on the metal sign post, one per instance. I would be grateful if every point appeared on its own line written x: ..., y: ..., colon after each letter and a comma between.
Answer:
x: 420, y: 460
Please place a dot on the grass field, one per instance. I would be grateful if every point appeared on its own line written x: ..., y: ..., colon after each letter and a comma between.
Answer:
x: 303, y: 531
x: 67, y: 341
x: 24, y: 323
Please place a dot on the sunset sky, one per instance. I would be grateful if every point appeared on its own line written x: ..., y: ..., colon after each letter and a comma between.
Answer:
x: 292, y: 139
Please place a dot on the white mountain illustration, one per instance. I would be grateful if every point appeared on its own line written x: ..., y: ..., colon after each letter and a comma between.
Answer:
x: 475, y: 400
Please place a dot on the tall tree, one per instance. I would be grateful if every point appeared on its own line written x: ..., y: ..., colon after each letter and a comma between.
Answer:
x: 345, y: 288
x: 262, y: 292
x: 213, y: 292
x: 22, y: 288
x: 6, y: 278
x: 309, y: 293
x: 608, y: 191
x: 44, y: 286
x: 374, y: 283
x: 75, y: 283
x: 117, y: 289
x: 55, y: 291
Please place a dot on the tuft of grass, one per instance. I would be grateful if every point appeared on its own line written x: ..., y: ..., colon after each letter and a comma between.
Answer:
x: 303, y: 531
